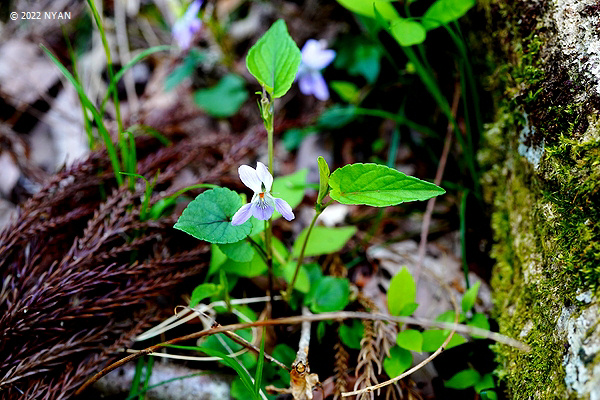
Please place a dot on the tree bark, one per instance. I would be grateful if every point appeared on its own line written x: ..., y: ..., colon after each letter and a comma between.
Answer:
x: 541, y: 158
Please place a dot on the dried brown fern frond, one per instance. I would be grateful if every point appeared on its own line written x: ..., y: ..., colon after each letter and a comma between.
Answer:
x: 79, y: 273
x: 369, y: 364
x: 340, y: 369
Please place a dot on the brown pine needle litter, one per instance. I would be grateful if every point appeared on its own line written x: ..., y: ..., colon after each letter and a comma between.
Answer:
x: 80, y: 273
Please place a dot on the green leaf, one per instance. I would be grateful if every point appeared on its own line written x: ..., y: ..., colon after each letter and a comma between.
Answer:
x: 202, y: 292
x: 479, y: 320
x: 292, y: 138
x: 332, y: 294
x: 402, y: 291
x: 410, y: 339
x: 187, y: 67
x: 241, y: 251
x: 468, y: 300
x: 443, y: 11
x: 323, y: 240
x: 225, y: 98
x: 302, y: 281
x: 463, y: 379
x: 217, y: 258
x: 434, y: 338
x: 486, y: 382
x: 399, y: 361
x: 448, y: 316
x: 346, y: 90
x: 359, y: 56
x: 274, y: 60
x: 409, y: 308
x: 351, y: 335
x: 290, y: 188
x: 323, y: 179
x: 378, y: 186
x: 315, y: 276
x: 230, y: 362
x: 407, y: 32
x: 365, y: 7
x: 337, y: 117
x: 208, y: 217
x: 259, y: 365
x: 250, y: 269
x: 488, y: 395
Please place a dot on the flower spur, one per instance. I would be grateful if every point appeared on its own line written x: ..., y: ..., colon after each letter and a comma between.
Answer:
x: 263, y: 204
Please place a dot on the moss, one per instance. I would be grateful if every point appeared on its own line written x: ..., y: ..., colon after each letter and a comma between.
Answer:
x: 546, y: 219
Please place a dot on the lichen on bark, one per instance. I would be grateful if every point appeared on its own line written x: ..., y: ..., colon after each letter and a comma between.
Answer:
x: 542, y: 163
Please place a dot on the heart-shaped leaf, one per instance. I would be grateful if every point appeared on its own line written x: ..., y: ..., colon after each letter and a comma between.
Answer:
x: 225, y: 98
x: 331, y: 294
x: 399, y: 361
x: 443, y: 11
x: 208, y: 217
x: 407, y: 32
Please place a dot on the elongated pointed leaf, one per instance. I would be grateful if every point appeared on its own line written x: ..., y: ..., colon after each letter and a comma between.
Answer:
x: 378, y: 186
x: 274, y: 60
x: 323, y: 178
x: 208, y: 217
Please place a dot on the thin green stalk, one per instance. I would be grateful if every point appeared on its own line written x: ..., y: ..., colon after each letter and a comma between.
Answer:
x: 267, y: 106
x: 137, y: 377
x: 301, y: 257
x: 122, y: 143
x: 261, y: 251
x: 113, y: 84
x: 110, y: 148
x: 463, y: 235
x: 111, y: 74
x: 435, y: 92
x: 398, y: 118
x: 86, y: 121
x: 178, y: 378
x: 149, y: 366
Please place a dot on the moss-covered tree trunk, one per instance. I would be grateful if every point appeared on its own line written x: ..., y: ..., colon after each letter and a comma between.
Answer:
x: 542, y: 163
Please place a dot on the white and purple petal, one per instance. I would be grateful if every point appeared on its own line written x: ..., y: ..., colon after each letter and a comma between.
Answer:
x: 250, y: 178
x: 187, y: 26
x: 264, y: 175
x: 284, y: 209
x: 320, y: 89
x: 242, y: 214
x: 262, y: 211
x: 313, y: 83
x: 315, y: 56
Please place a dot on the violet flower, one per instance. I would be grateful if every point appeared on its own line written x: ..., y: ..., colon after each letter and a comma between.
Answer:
x: 188, y: 25
x: 315, y: 57
x: 262, y: 204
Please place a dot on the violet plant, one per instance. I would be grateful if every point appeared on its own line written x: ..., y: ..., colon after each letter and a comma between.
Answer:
x: 315, y: 57
x: 245, y: 246
x: 186, y: 27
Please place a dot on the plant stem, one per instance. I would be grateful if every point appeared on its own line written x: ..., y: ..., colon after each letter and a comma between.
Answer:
x: 268, y: 108
x: 290, y: 288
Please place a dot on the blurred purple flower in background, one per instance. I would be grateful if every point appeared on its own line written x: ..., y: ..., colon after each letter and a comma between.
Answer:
x: 263, y: 204
x: 315, y: 57
x: 188, y: 25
